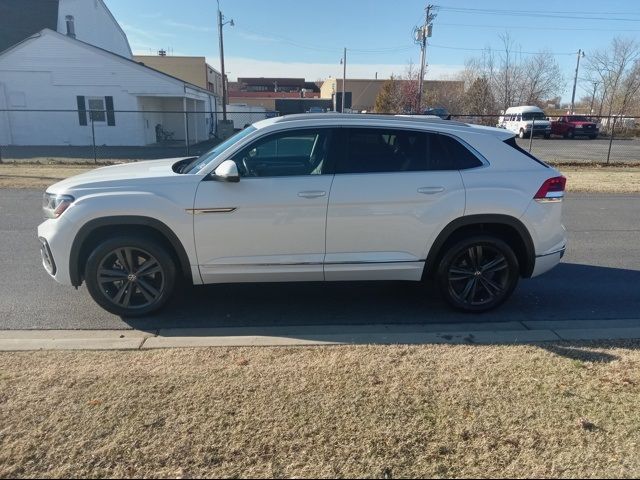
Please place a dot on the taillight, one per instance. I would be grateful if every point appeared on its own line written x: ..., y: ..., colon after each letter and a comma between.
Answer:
x: 552, y: 190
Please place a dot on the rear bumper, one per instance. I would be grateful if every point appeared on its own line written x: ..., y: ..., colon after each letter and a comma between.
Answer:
x: 547, y: 261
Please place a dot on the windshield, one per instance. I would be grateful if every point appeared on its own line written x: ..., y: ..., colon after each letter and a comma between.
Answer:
x: 533, y: 116
x: 198, y: 163
x: 578, y: 119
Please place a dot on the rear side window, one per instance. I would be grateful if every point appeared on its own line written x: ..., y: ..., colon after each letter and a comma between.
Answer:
x: 512, y: 143
x: 378, y: 150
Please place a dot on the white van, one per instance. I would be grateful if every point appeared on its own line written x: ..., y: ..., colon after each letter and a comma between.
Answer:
x: 520, y: 120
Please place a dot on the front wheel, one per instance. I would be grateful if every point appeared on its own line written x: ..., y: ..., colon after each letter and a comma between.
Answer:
x: 478, y: 274
x: 521, y: 134
x: 130, y: 276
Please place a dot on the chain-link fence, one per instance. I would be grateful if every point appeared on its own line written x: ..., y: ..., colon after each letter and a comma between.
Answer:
x: 104, y: 136
x: 571, y: 138
x: 110, y: 136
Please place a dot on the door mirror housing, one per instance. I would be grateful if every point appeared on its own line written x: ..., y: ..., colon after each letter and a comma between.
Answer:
x: 227, y: 171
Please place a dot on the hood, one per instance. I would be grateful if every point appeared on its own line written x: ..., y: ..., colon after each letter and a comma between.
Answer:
x: 582, y: 124
x: 117, y: 176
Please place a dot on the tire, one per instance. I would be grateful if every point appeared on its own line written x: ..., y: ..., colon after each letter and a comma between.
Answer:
x: 466, y: 286
x: 130, y: 289
x: 547, y: 136
x: 592, y: 137
x: 521, y: 134
x: 571, y: 134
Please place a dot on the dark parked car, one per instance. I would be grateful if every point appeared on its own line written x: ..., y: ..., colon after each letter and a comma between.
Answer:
x: 441, y: 112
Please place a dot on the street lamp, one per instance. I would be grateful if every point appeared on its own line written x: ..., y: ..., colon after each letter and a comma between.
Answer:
x: 222, y: 23
x: 575, y: 80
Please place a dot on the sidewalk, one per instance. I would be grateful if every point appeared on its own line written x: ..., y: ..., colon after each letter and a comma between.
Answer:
x: 463, y: 333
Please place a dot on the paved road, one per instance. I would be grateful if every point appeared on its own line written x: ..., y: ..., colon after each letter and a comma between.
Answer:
x: 598, y: 279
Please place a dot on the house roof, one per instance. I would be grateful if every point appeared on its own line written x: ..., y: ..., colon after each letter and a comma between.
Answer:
x: 19, y: 19
x: 107, y: 52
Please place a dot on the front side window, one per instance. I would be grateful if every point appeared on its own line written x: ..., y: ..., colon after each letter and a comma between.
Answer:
x: 389, y: 150
x: 285, y: 154
x: 533, y: 116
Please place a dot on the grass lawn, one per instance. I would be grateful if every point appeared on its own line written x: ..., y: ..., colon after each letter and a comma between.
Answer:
x: 599, y: 179
x: 553, y: 410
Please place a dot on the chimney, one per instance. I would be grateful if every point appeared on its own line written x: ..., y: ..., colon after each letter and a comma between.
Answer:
x: 71, y: 28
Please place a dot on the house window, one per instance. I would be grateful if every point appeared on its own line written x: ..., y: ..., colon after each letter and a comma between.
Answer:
x: 97, y: 110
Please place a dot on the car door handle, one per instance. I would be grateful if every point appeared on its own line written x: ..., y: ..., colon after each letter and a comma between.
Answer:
x: 430, y: 190
x: 312, y: 194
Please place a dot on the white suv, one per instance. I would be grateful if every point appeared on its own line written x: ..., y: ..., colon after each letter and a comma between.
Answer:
x: 313, y: 197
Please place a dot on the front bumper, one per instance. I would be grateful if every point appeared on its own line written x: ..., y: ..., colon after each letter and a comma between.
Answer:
x: 56, y: 237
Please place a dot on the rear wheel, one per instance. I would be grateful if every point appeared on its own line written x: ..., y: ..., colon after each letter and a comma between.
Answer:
x: 130, y: 276
x: 478, y: 274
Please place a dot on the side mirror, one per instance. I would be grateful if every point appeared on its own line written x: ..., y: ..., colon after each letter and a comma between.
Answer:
x: 227, y: 171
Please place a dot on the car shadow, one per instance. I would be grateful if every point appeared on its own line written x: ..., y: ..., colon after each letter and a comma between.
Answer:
x: 569, y: 292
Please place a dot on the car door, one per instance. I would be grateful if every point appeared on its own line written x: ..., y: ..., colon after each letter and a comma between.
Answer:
x: 393, y: 192
x: 270, y: 226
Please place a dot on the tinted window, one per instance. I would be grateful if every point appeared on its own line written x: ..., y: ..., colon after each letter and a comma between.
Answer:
x: 388, y: 150
x: 297, y: 152
x: 458, y: 157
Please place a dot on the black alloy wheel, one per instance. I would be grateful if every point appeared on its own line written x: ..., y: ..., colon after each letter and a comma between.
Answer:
x: 130, y: 276
x: 478, y: 274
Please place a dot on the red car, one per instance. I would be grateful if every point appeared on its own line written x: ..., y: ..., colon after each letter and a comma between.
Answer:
x: 571, y: 126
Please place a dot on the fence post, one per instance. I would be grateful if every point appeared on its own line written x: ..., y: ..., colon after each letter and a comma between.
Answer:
x: 93, y: 136
x: 613, y: 129
x: 186, y: 116
x: 533, y: 124
x: 0, y: 154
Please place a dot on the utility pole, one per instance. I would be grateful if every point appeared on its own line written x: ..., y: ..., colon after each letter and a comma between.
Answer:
x: 593, y: 97
x: 221, y: 43
x: 422, y: 34
x: 344, y: 77
x: 575, y: 81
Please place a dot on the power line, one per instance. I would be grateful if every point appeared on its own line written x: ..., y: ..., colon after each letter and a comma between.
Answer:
x: 533, y: 14
x: 489, y: 48
x: 519, y: 27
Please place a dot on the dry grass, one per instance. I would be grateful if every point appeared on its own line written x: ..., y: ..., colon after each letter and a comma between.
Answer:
x: 442, y: 411
x: 598, y: 179
x: 15, y: 175
x: 602, y: 179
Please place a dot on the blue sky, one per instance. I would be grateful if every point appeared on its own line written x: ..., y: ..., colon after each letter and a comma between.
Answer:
x: 306, y: 38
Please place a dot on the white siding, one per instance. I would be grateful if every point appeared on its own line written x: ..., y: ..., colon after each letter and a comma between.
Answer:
x: 50, y: 71
x: 94, y: 24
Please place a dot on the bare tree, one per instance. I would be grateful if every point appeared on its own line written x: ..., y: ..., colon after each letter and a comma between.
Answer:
x: 541, y: 79
x: 617, y: 70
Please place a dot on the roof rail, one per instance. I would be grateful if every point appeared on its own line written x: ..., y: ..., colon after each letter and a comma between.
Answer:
x: 363, y: 116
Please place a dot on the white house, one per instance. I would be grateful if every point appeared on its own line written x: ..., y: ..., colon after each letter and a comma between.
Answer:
x: 83, y: 66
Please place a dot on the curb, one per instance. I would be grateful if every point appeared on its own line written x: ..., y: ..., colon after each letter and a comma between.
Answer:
x: 508, y: 333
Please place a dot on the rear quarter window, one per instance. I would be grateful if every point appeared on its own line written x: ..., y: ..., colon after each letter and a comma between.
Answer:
x: 512, y: 143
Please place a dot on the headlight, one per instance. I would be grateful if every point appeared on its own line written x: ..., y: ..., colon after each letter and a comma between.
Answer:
x: 54, y: 205
x: 578, y: 126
